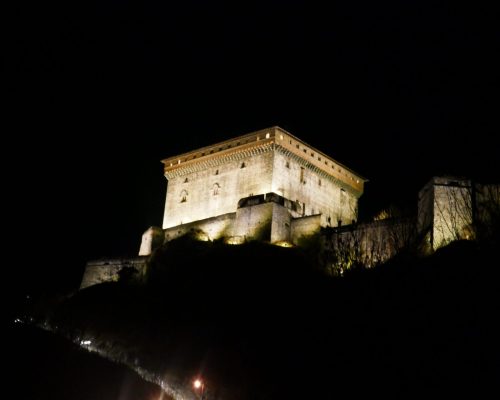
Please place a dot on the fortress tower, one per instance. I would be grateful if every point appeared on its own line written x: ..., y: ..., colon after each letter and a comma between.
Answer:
x: 213, y: 189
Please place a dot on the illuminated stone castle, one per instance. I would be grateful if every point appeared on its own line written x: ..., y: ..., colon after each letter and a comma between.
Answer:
x: 266, y: 185
x: 271, y: 186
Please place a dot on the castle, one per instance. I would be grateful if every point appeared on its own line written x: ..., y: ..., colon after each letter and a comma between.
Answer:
x: 271, y: 186
x: 266, y: 185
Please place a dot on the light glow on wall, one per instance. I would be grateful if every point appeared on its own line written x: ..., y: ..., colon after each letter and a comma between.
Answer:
x: 202, y: 237
x: 283, y: 243
x: 235, y: 240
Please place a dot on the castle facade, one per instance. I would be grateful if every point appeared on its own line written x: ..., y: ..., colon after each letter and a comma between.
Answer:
x: 266, y: 185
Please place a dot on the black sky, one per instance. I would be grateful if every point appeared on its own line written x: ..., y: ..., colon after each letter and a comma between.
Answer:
x: 99, y: 92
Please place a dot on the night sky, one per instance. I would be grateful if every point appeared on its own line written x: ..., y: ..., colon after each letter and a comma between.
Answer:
x: 100, y: 92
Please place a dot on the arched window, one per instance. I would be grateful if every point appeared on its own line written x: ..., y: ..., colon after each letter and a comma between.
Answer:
x: 215, y: 189
x: 184, y: 195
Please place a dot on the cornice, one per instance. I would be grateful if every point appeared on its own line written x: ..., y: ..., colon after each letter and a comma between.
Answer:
x: 215, y: 160
x: 300, y: 160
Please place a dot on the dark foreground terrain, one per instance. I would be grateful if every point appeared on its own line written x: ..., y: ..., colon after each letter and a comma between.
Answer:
x: 261, y: 322
x: 43, y: 366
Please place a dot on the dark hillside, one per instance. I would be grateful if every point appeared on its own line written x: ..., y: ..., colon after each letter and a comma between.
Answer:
x: 260, y: 322
x: 43, y: 366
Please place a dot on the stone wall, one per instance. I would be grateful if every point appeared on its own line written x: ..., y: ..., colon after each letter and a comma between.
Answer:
x: 445, y: 211
x: 213, y: 228
x: 281, y: 224
x: 314, y: 191
x: 254, y: 222
x: 304, y: 227
x: 151, y: 239
x: 367, y: 244
x: 108, y: 270
x: 266, y: 217
x: 216, y: 190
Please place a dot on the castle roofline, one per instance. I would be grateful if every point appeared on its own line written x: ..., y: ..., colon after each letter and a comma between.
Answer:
x: 275, y: 136
x: 361, y: 177
x: 216, y: 147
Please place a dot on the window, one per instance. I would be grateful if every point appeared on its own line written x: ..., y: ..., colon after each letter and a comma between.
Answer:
x: 186, y: 180
x: 267, y: 135
x: 297, y: 146
x: 243, y: 165
x: 216, y: 172
x: 215, y: 189
x: 342, y: 197
x: 302, y: 175
x: 319, y: 182
x: 287, y: 164
x: 184, y: 195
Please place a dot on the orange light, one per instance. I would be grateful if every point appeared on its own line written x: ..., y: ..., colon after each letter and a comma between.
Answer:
x: 197, y: 384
